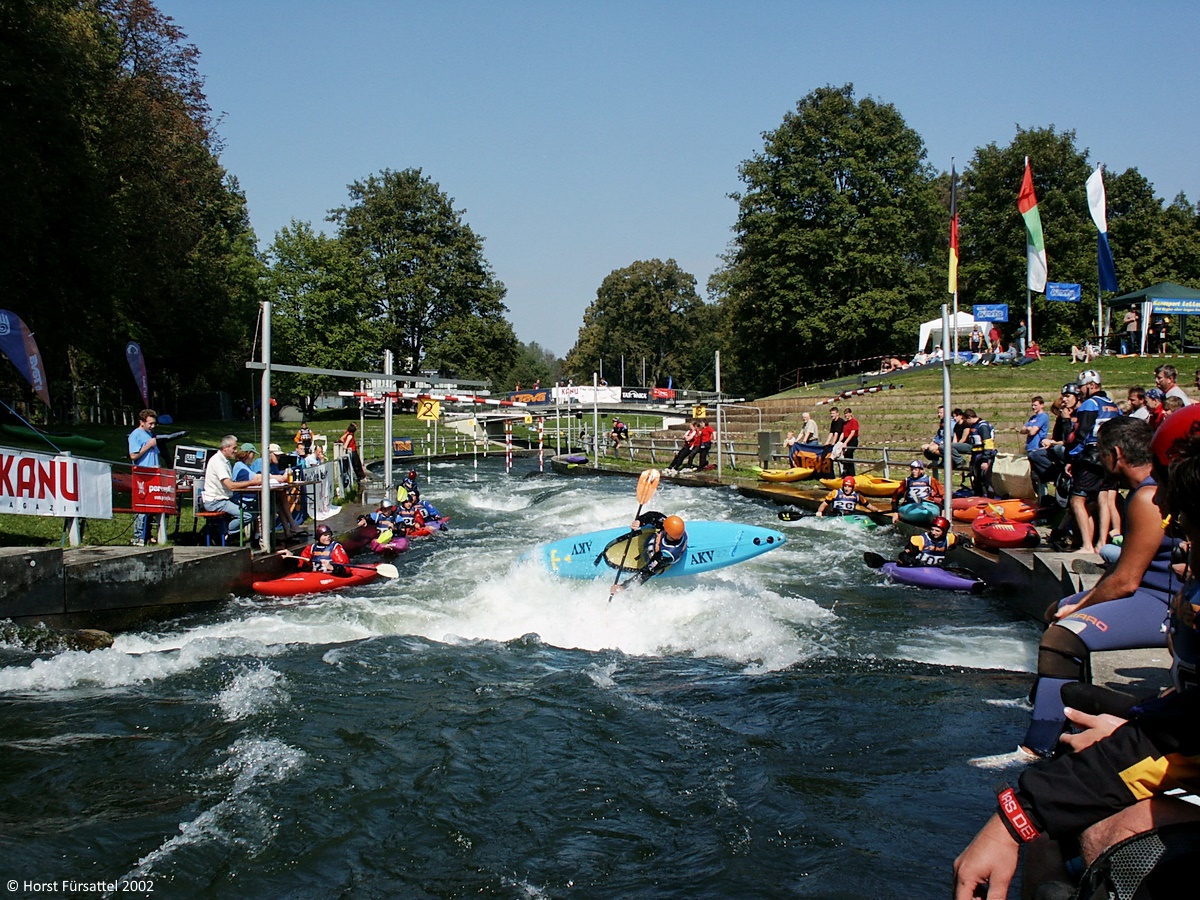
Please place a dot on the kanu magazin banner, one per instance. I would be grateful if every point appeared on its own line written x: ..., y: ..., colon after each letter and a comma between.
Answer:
x: 36, y: 484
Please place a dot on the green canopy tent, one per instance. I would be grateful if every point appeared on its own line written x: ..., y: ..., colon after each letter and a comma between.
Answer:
x: 1165, y: 298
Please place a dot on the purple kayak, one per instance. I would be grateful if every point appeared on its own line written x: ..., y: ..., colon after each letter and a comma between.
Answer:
x: 933, y: 577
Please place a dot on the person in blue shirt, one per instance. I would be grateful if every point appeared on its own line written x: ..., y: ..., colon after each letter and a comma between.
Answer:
x: 1037, y: 426
x: 143, y: 452
x: 1087, y: 472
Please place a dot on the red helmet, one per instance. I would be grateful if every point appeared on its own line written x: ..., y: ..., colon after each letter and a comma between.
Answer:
x: 941, y: 522
x: 848, y: 482
x: 323, y: 530
x: 1183, y: 423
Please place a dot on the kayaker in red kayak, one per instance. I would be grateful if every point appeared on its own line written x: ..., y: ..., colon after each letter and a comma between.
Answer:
x: 325, y: 554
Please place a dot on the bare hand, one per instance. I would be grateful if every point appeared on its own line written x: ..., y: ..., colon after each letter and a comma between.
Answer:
x: 1096, y: 728
x: 988, y: 863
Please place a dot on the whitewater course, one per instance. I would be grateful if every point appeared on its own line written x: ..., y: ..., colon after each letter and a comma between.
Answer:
x: 786, y: 727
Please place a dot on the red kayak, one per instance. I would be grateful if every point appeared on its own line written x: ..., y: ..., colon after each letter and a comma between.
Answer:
x: 1013, y: 510
x: 315, y: 582
x: 996, y: 532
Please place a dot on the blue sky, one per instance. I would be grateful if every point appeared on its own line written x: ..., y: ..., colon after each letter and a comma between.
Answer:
x: 581, y: 137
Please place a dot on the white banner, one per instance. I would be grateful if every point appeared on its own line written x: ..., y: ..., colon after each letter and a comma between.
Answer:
x: 319, y: 484
x: 36, y: 484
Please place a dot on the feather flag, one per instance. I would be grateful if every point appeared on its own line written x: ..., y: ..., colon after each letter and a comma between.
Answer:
x: 952, y: 284
x: 1035, y: 244
x: 17, y: 343
x: 1097, y: 204
x: 137, y: 365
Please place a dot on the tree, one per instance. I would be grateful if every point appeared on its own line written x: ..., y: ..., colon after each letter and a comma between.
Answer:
x: 424, y: 270
x: 645, y: 310
x: 122, y: 222
x: 992, y: 232
x: 835, y: 234
x: 319, y: 305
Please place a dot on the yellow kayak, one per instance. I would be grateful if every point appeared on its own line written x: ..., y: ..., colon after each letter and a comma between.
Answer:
x: 867, y: 485
x: 798, y: 474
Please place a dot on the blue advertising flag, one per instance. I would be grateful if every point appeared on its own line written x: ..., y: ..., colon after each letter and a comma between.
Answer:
x: 17, y: 343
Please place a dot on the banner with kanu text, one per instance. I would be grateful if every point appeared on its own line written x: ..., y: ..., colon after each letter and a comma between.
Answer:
x: 36, y: 484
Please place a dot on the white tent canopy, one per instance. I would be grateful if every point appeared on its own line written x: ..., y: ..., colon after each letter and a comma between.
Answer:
x: 963, y: 323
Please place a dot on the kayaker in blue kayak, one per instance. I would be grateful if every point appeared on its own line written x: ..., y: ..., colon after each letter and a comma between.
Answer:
x: 664, y: 548
x: 845, y: 501
x: 930, y: 548
x: 919, y: 487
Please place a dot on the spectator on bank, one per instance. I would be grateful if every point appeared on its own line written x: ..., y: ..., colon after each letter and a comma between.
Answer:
x: 303, y: 440
x: 350, y: 444
x: 993, y: 343
x: 1111, y: 785
x: 1049, y: 462
x: 983, y: 454
x: 1137, y: 403
x: 850, y: 432
x: 1037, y: 427
x: 1087, y: 470
x: 219, y: 486
x: 975, y: 343
x: 1165, y: 379
x: 1130, y: 331
x: 1020, y: 336
x: 808, y: 430
x: 892, y: 364
x: 833, y: 440
x: 1086, y: 354
x: 1154, y: 407
x: 143, y: 452
x: 933, y: 450
x: 689, y: 444
x: 1172, y: 405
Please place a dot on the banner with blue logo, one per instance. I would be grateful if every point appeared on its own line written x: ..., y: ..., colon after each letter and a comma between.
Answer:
x: 990, y: 312
x: 1063, y: 292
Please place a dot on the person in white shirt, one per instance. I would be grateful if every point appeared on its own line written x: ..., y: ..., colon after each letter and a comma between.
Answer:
x: 219, y: 486
x: 1164, y: 380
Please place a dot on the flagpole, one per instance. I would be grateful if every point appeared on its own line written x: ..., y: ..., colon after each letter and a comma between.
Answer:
x: 1028, y: 312
x: 947, y: 427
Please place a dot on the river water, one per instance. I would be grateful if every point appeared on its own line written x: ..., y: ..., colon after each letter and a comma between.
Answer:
x: 787, y: 727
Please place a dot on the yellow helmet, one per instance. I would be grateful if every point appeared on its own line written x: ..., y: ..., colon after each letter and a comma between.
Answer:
x: 673, y: 526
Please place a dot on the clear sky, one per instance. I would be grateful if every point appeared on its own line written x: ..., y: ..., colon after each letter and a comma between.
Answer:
x: 580, y: 137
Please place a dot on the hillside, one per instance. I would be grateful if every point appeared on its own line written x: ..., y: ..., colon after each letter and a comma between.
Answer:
x: 905, y: 416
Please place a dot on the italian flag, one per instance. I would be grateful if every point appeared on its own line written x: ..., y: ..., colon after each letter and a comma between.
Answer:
x: 1035, y: 245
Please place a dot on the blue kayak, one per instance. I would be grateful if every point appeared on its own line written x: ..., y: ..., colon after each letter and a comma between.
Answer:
x: 933, y: 577
x: 711, y: 545
x: 922, y: 513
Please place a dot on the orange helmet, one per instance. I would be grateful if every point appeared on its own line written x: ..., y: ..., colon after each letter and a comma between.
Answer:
x: 673, y: 526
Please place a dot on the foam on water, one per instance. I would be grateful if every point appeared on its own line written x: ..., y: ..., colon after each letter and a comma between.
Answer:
x: 243, y: 817
x: 1006, y: 647
x: 469, y: 585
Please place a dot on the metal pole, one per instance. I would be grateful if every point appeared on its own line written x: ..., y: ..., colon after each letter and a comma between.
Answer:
x: 596, y: 415
x: 388, y: 454
x: 718, y: 381
x: 1028, y: 316
x: 266, y: 508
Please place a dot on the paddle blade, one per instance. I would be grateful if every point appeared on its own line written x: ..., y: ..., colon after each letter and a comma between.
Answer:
x: 647, y: 485
x: 792, y: 515
x: 387, y: 570
x: 873, y: 560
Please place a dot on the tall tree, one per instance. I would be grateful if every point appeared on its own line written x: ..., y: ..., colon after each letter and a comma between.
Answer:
x: 992, y: 232
x: 834, y: 238
x: 424, y: 270
x: 122, y: 222
x: 318, y: 306
x: 647, y: 310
